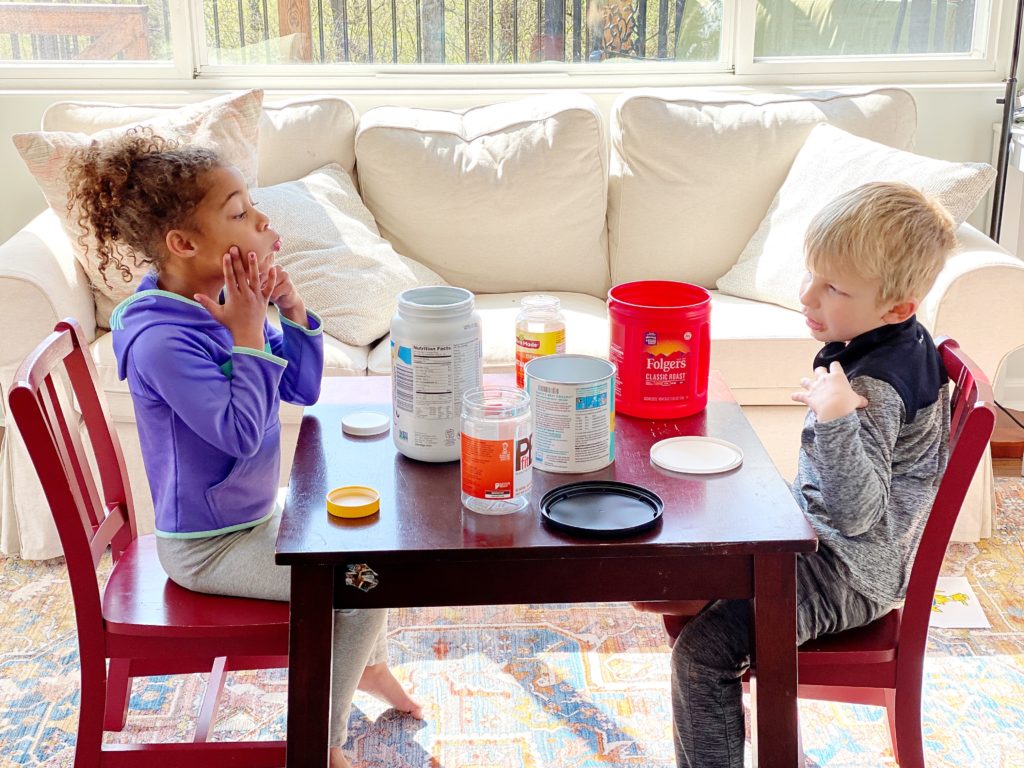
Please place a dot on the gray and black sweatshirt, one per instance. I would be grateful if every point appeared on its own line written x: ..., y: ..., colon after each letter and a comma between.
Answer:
x: 866, y: 481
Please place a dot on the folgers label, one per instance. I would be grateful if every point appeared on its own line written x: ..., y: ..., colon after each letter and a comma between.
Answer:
x: 573, y: 400
x: 661, y: 348
x: 665, y: 363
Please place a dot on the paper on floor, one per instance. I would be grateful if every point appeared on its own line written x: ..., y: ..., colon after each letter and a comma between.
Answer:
x: 955, y: 605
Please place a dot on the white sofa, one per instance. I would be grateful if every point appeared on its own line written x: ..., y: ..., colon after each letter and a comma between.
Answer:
x: 671, y: 186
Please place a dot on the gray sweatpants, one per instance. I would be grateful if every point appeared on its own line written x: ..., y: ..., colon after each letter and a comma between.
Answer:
x: 712, y: 653
x: 242, y: 564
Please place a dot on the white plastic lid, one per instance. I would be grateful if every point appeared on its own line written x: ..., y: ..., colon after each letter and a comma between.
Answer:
x: 696, y: 455
x: 365, y: 423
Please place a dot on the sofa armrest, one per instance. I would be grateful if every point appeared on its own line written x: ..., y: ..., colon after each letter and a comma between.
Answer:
x: 40, y: 283
x: 978, y: 299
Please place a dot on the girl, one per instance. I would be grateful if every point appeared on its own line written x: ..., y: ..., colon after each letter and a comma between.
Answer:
x: 206, y: 375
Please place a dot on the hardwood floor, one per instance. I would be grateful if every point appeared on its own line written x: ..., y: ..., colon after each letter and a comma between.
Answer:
x: 1007, y: 467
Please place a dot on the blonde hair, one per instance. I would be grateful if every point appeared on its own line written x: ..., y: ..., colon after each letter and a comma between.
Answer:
x: 887, y: 231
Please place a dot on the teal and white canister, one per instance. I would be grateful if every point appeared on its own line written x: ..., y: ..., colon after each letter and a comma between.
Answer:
x: 436, y: 357
x: 573, y: 399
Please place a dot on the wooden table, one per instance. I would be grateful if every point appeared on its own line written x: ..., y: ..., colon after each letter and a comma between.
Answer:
x: 731, y: 535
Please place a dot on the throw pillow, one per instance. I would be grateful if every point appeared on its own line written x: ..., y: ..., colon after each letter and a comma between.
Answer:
x: 330, y: 245
x: 498, y: 198
x: 830, y: 163
x: 692, y: 171
x: 228, y: 124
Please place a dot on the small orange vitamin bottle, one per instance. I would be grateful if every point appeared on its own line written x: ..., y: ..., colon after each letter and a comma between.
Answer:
x: 540, y: 331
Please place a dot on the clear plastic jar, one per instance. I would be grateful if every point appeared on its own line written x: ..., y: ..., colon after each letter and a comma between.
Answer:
x: 540, y: 331
x: 497, y: 450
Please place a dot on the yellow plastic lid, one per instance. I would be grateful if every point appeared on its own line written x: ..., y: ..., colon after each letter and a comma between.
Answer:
x: 353, y: 501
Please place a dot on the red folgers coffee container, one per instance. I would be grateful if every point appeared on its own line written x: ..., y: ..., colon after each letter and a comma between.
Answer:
x: 661, y: 347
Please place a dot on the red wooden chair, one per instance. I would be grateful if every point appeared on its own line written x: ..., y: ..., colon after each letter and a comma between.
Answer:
x: 883, y: 663
x: 141, y: 621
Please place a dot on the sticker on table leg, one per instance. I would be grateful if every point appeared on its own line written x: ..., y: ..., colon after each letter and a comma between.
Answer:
x: 361, y: 576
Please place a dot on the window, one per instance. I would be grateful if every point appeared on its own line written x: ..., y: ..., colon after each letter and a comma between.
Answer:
x: 462, y: 31
x: 85, y: 30
x: 864, y: 27
x: 184, y: 38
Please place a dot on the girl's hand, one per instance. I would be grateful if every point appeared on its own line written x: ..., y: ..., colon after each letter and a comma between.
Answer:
x: 286, y: 297
x: 245, y: 303
x: 829, y: 394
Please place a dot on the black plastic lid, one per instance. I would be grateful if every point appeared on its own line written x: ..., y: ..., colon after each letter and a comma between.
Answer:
x: 601, y: 508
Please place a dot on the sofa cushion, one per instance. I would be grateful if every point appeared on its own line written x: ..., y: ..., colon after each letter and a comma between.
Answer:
x: 761, y: 349
x: 501, y: 198
x: 830, y: 163
x: 341, y: 266
x: 340, y: 359
x: 295, y: 136
x: 586, y: 331
x: 228, y: 125
x: 693, y: 173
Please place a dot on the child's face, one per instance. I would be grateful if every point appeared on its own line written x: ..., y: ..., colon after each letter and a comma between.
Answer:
x: 840, y: 306
x: 227, y: 217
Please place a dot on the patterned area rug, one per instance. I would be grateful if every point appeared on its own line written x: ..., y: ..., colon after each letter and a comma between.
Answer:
x: 531, y: 686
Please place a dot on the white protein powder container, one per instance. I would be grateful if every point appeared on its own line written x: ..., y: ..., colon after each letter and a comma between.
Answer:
x: 436, y: 356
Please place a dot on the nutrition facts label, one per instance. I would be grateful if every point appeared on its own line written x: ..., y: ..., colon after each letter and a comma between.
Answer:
x: 572, y: 426
x: 430, y: 379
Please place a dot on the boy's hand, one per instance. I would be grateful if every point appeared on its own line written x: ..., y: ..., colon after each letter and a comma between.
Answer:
x: 286, y: 297
x: 245, y: 303
x: 829, y: 394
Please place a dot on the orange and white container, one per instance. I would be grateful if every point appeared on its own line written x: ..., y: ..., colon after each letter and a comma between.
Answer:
x: 497, y: 450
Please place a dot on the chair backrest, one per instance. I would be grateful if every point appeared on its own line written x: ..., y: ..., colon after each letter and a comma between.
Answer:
x: 972, y: 420
x: 49, y: 426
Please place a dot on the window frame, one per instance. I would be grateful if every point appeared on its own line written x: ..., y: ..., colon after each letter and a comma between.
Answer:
x: 180, y: 67
x: 993, y: 53
x: 736, y: 66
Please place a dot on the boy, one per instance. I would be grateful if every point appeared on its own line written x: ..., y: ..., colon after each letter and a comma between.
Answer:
x: 873, y: 449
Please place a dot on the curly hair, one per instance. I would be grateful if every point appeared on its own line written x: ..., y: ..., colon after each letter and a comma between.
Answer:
x: 133, y: 192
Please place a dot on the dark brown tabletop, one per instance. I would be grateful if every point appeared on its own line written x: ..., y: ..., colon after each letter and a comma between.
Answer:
x: 422, y: 517
x: 733, y: 534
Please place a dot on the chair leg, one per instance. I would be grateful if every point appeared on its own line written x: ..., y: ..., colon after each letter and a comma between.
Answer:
x: 890, y: 711
x: 208, y: 709
x: 801, y: 755
x: 119, y: 689
x: 90, y: 714
x: 908, y: 736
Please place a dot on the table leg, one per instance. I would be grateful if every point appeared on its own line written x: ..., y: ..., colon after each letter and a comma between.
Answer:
x: 310, y: 639
x: 773, y: 703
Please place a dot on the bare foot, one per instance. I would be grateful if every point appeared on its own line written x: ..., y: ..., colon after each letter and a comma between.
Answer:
x: 378, y: 681
x: 672, y: 607
x: 338, y: 759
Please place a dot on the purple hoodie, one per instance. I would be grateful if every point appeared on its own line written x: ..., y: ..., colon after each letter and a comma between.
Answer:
x: 207, y: 410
